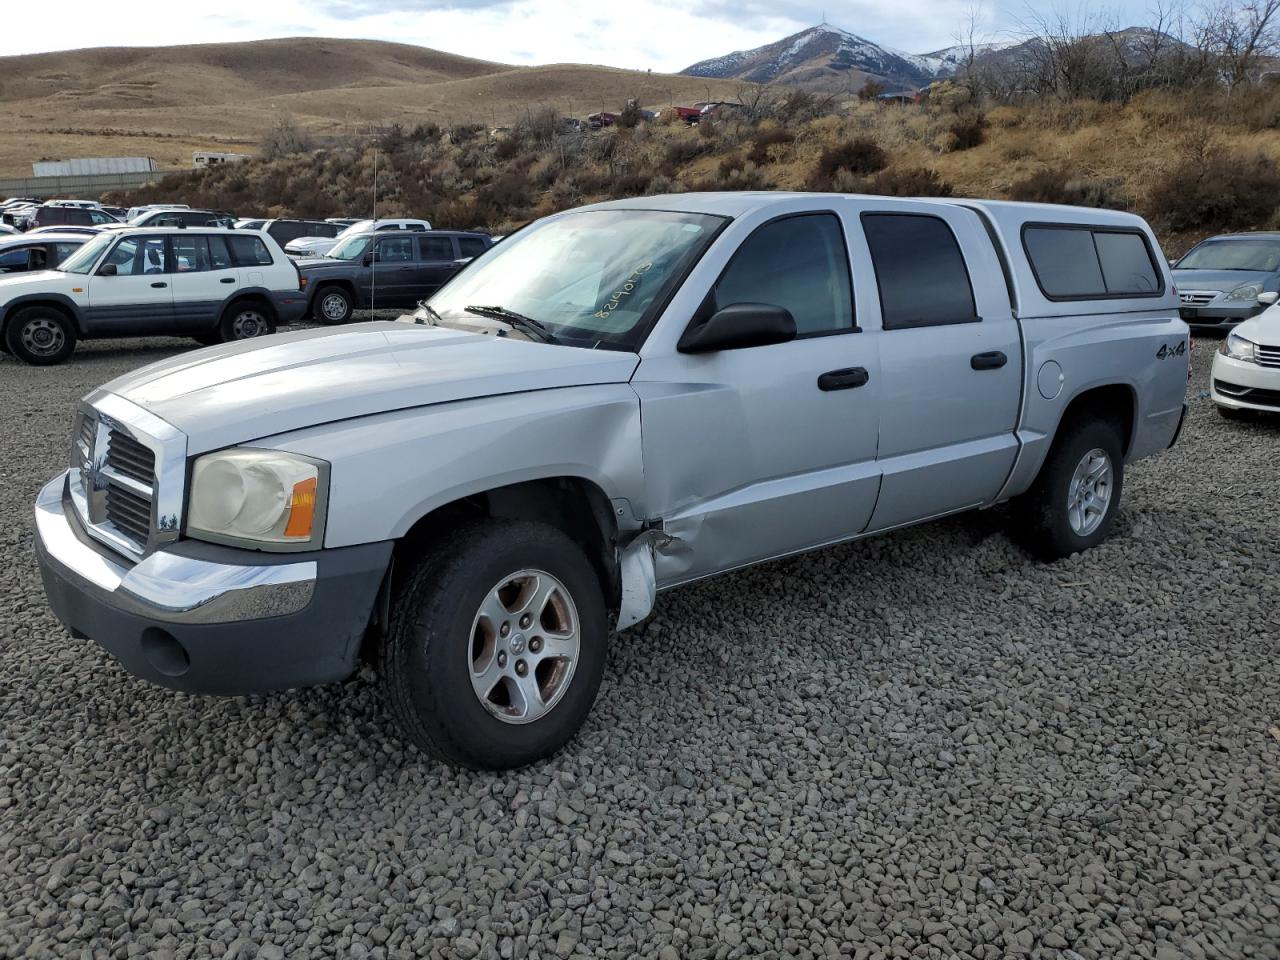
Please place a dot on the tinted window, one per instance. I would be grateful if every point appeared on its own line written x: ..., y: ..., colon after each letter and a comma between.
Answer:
x: 191, y: 254
x: 249, y: 251
x: 219, y: 255
x: 99, y: 218
x: 63, y: 250
x: 799, y: 263
x: 1126, y: 263
x: 1074, y: 262
x: 394, y: 249
x: 196, y: 219
x: 920, y: 271
x: 436, y: 248
x: 472, y: 246
x: 14, y: 261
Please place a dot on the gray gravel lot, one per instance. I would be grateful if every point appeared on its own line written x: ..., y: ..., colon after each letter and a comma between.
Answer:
x: 925, y: 745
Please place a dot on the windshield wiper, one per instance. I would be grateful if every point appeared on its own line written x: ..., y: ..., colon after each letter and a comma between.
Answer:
x: 518, y: 321
x: 436, y: 319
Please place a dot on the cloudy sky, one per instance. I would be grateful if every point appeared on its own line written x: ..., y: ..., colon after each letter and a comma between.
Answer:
x: 662, y: 35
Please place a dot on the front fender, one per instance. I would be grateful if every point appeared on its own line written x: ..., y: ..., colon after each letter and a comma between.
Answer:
x: 390, y: 470
x: 61, y: 299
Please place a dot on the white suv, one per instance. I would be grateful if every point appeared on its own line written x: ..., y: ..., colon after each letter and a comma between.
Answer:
x: 320, y: 246
x: 209, y: 284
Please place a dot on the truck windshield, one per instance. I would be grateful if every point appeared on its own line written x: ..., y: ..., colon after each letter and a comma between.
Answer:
x: 351, y: 249
x: 82, y: 260
x: 1241, y: 253
x: 592, y: 278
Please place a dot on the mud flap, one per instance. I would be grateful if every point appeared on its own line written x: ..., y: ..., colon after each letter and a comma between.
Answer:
x: 639, y: 579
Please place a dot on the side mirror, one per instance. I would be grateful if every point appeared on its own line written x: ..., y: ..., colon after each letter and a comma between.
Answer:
x: 107, y: 270
x: 367, y: 259
x: 740, y: 325
x: 1267, y: 298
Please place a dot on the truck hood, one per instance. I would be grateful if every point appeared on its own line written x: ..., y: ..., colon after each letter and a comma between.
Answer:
x: 1220, y: 280
x: 1264, y: 328
x: 314, y: 264
x: 239, y: 392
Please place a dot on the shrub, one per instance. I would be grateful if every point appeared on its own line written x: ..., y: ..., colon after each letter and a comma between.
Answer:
x: 1059, y: 186
x: 870, y: 90
x: 1213, y: 188
x: 861, y: 156
x: 910, y: 182
x: 684, y: 150
x: 763, y: 140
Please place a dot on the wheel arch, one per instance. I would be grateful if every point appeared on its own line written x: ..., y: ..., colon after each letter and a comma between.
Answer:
x: 346, y: 283
x: 63, y: 304
x: 250, y: 295
x: 575, y: 505
x: 1116, y: 402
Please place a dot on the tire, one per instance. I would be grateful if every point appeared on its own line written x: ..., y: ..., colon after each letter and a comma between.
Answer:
x: 439, y: 638
x: 40, y: 336
x: 246, y: 320
x: 1044, y: 513
x: 332, y: 306
x: 1231, y: 413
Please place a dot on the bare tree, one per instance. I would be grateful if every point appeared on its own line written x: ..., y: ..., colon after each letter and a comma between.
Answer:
x: 1239, y: 36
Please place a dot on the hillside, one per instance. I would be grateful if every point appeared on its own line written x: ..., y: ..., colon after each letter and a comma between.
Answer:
x: 167, y: 102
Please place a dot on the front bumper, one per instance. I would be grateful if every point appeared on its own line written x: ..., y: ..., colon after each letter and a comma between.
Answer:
x: 290, y: 307
x: 1221, y: 315
x: 210, y: 619
x: 1241, y: 385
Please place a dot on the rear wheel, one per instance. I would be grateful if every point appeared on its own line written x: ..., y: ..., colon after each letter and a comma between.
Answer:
x: 1073, y: 502
x: 333, y: 305
x: 496, y: 645
x: 41, y: 336
x: 246, y: 320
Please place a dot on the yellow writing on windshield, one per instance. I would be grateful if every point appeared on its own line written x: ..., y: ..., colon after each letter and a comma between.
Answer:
x: 627, y: 287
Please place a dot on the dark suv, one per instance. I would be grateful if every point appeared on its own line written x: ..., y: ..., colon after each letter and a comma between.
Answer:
x: 382, y: 269
x: 54, y: 216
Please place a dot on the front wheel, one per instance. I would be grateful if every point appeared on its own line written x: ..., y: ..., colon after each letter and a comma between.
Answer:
x: 246, y: 321
x: 40, y: 336
x: 496, y: 645
x: 1073, y: 502
x: 333, y: 306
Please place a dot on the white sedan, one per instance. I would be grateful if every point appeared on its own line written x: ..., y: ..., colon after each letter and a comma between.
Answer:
x: 1246, y: 368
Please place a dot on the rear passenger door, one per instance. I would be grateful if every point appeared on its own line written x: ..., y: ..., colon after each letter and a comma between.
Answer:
x: 203, y: 278
x: 951, y: 362
x: 437, y: 263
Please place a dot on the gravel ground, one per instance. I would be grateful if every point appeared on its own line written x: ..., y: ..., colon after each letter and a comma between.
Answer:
x: 925, y: 745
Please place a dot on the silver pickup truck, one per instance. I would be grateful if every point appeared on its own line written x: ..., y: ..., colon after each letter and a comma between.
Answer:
x: 613, y: 402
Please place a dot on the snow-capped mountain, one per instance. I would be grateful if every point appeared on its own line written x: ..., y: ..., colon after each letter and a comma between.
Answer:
x: 951, y: 59
x: 823, y: 58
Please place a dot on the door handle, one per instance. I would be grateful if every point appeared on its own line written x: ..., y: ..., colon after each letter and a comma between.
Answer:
x: 845, y: 379
x: 227, y: 280
x: 160, y: 284
x: 993, y: 360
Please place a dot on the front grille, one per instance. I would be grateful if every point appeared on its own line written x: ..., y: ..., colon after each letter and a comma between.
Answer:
x: 1267, y: 355
x: 126, y: 476
x: 1197, y: 298
x: 127, y: 456
x: 129, y: 513
x: 1263, y: 398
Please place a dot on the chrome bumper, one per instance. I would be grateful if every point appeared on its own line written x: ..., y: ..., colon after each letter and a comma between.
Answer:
x: 167, y: 587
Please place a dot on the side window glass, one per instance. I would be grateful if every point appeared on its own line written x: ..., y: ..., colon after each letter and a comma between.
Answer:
x: 63, y: 250
x: 471, y: 246
x: 249, y: 251
x: 799, y: 263
x: 1126, y: 263
x: 98, y: 218
x: 435, y: 248
x: 136, y: 257
x: 219, y: 256
x: 920, y: 271
x: 1065, y: 261
x: 190, y: 254
x: 396, y: 249
x: 14, y: 261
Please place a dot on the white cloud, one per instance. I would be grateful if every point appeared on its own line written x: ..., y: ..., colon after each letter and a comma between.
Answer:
x: 662, y: 35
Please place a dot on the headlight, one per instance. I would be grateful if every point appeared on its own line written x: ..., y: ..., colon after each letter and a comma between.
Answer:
x: 1249, y: 291
x: 263, y: 499
x: 1238, y: 348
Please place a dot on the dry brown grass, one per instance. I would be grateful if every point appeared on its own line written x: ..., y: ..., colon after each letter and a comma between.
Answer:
x: 168, y: 102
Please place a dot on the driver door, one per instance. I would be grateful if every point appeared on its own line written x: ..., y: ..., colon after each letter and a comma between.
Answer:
x: 137, y: 298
